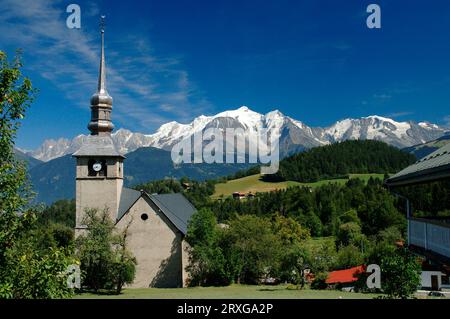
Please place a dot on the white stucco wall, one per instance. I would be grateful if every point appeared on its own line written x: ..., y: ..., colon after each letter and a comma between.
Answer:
x: 157, y: 246
x: 425, y: 277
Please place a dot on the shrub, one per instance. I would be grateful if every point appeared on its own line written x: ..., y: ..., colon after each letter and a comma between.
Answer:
x: 400, y: 274
x: 319, y: 281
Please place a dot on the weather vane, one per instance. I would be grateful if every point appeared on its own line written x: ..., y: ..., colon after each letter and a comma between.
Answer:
x: 102, y: 23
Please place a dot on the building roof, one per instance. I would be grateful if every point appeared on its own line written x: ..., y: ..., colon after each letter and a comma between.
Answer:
x: 174, y: 206
x: 344, y: 276
x: 98, y: 145
x: 433, y: 167
x: 127, y: 199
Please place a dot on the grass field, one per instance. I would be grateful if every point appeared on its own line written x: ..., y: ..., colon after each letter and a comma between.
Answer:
x: 230, y: 292
x: 254, y: 184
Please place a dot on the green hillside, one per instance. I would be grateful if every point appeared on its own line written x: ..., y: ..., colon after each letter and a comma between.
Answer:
x: 256, y: 184
x: 341, y: 159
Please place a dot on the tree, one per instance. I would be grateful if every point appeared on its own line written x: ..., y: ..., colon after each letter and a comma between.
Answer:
x: 123, y: 268
x: 60, y: 212
x: 350, y: 216
x: 378, y: 250
x: 400, y: 274
x: 105, y: 261
x: 30, y: 266
x: 293, y: 257
x: 62, y: 235
x: 349, y: 233
x: 16, y: 95
x: 256, y: 247
x: 391, y: 235
x: 294, y: 260
x: 349, y: 256
x: 312, y: 222
x: 201, y: 228
x: 208, y: 265
x: 288, y: 231
x: 36, y: 272
x: 323, y: 256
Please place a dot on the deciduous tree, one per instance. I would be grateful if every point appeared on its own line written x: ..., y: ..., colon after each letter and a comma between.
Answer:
x: 105, y: 261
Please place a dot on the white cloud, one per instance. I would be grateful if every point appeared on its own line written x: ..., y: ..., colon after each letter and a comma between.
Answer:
x: 147, y: 89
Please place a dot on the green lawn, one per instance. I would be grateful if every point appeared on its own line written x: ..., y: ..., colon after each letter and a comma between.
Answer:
x: 230, y: 292
x: 254, y: 184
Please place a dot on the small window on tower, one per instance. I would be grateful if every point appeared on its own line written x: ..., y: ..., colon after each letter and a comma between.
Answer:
x: 144, y: 217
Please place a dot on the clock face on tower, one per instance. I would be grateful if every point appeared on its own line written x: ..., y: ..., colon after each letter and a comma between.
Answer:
x: 97, y: 166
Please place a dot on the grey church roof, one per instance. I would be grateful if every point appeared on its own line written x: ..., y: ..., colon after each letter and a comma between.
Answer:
x: 432, y: 167
x: 97, y: 145
x: 127, y: 198
x: 174, y: 206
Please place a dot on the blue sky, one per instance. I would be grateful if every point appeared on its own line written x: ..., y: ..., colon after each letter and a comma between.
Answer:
x: 314, y: 60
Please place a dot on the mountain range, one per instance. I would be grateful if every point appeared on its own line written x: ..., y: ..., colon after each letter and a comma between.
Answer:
x: 55, y: 179
x: 294, y: 135
x: 52, y: 169
x: 29, y: 160
x: 422, y: 150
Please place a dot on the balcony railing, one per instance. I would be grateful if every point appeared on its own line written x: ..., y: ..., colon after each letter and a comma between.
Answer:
x: 430, y: 235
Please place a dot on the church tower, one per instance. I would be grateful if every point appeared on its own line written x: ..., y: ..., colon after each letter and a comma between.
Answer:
x: 99, y: 166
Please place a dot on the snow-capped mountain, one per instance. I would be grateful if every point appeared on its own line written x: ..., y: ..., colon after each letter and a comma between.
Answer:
x: 399, y: 134
x: 294, y: 135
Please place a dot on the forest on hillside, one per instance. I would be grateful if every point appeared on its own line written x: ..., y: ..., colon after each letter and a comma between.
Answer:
x: 340, y: 159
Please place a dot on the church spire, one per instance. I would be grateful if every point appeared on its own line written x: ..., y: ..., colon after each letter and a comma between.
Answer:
x: 101, y: 101
x: 102, y: 72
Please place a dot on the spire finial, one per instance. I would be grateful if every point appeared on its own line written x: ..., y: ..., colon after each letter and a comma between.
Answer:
x: 102, y: 24
x: 101, y: 101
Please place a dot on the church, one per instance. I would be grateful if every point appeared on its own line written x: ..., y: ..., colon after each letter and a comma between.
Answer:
x: 157, y: 223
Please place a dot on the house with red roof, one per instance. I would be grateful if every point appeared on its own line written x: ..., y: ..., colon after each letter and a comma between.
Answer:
x: 346, y: 276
